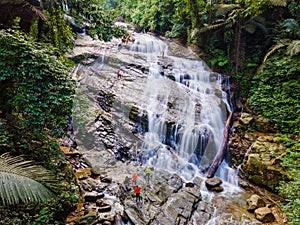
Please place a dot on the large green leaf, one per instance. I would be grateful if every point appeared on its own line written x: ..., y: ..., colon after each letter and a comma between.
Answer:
x: 22, y: 181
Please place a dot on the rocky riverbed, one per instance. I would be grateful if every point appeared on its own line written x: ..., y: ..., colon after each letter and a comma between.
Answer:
x: 102, y: 159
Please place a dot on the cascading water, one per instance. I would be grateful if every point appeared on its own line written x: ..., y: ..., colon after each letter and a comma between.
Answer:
x: 191, y: 140
x: 166, y: 110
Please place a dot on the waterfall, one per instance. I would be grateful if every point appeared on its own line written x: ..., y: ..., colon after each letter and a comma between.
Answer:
x: 167, y: 110
x: 182, y: 108
x: 192, y: 140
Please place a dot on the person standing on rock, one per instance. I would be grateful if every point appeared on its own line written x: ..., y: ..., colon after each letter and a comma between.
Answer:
x: 147, y: 174
x: 137, y: 191
x: 127, y: 184
x: 134, y: 177
x: 119, y: 73
x: 162, y: 53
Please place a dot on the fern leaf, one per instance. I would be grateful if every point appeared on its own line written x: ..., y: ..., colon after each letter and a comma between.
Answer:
x: 223, y: 9
x: 22, y: 181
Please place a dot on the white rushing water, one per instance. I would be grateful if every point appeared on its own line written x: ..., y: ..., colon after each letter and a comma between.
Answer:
x: 184, y: 107
x: 194, y: 139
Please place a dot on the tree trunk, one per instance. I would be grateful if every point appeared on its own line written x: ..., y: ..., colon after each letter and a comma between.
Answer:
x: 238, y: 31
x: 222, y: 150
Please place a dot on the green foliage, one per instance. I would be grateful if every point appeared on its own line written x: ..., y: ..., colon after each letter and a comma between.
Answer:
x: 291, y: 190
x: 55, y: 31
x: 178, y: 30
x: 4, y: 135
x: 275, y: 92
x: 153, y: 15
x: 99, y: 18
x: 22, y: 181
x: 168, y: 17
x: 102, y: 25
x: 36, y: 90
x: 44, y: 217
x: 219, y: 58
x: 36, y: 96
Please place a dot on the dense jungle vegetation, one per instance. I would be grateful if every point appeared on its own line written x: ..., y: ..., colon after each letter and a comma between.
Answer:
x: 255, y: 42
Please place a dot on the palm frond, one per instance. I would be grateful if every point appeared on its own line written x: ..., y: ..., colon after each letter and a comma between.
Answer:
x: 259, y: 25
x: 278, y: 3
x: 294, y: 48
x: 37, y: 11
x: 214, y: 26
x: 223, y: 9
x: 22, y: 181
x: 289, y: 23
x: 273, y: 49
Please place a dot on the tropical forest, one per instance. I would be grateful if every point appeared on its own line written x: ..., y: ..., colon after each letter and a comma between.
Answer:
x: 143, y: 112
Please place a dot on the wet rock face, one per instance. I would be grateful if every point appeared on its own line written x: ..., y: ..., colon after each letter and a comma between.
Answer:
x: 259, y: 153
x: 255, y: 202
x: 166, y: 197
x: 263, y: 164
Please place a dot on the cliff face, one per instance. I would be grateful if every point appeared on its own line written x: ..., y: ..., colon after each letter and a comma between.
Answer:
x: 254, y: 147
x: 105, y: 116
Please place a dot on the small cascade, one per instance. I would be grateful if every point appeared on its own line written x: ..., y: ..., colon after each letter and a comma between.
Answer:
x: 150, y: 45
x: 228, y: 174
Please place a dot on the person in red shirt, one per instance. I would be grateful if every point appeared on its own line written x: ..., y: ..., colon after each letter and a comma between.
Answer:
x: 137, y: 191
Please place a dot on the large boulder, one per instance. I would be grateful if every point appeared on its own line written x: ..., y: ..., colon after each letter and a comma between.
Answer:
x: 214, y: 184
x: 258, y: 152
x: 255, y: 202
x: 88, y: 219
x: 264, y: 215
x: 262, y: 124
x: 246, y: 118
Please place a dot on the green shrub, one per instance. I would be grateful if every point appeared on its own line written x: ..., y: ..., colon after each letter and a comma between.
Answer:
x: 275, y: 92
x: 291, y: 190
x: 36, y: 90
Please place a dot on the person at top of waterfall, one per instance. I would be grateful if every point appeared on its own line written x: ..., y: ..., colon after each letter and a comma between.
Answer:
x: 162, y: 53
x: 147, y: 174
x: 119, y: 73
x: 137, y: 191
x: 134, y: 177
x: 123, y: 38
x: 119, y: 46
x: 127, y: 38
x: 134, y: 152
